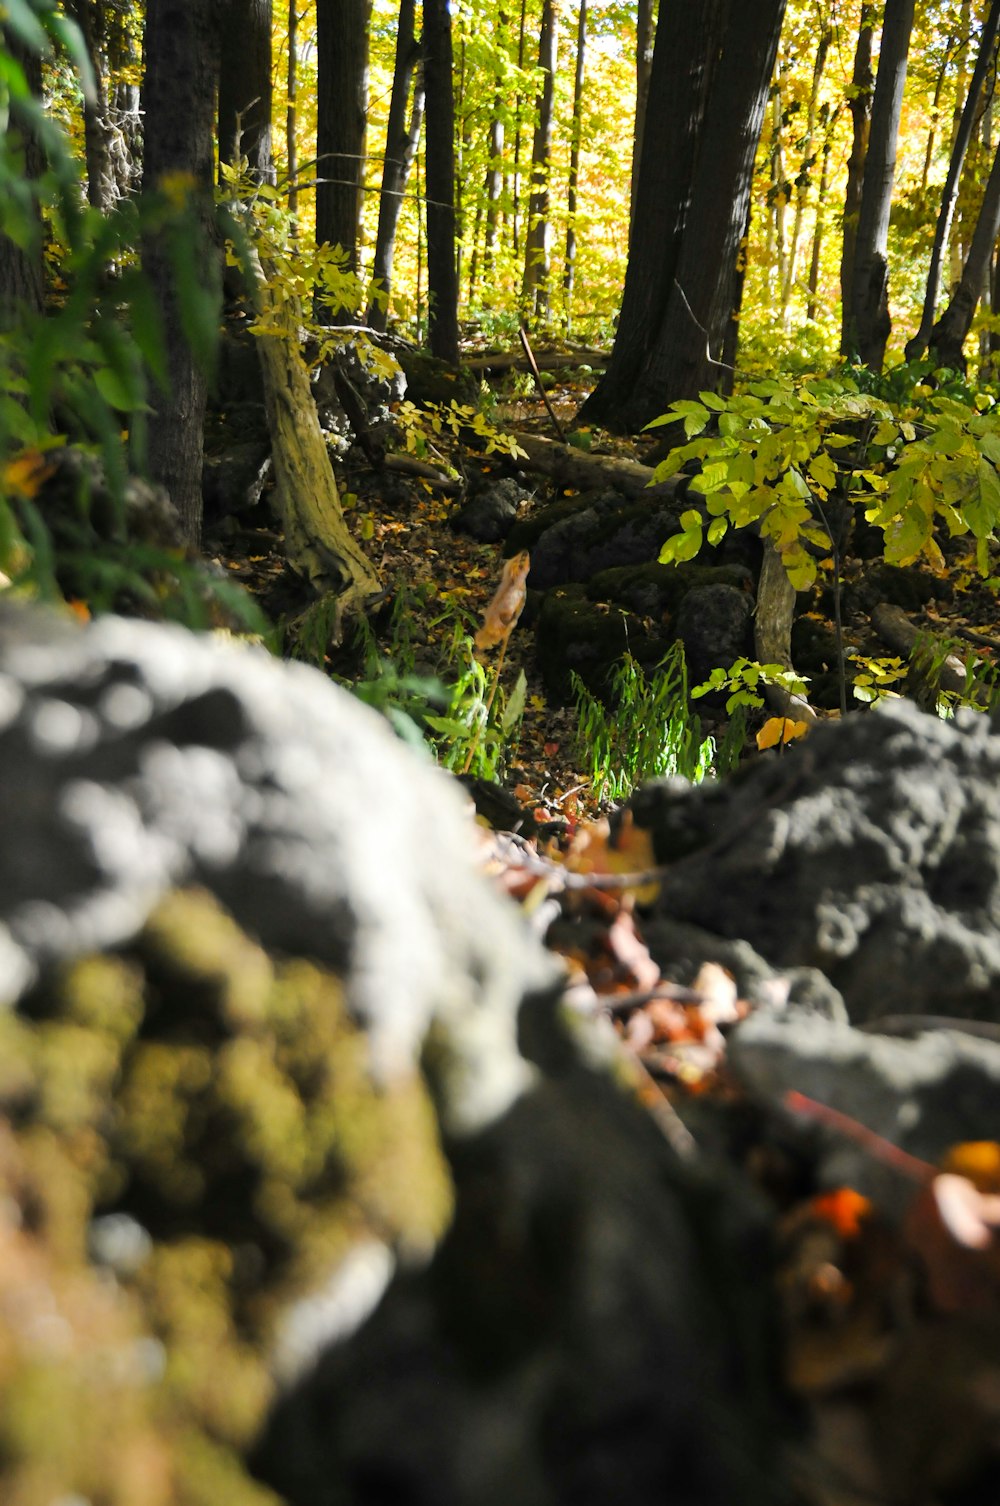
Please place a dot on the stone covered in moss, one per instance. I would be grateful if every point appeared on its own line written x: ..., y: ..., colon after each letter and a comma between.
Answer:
x: 201, y: 1121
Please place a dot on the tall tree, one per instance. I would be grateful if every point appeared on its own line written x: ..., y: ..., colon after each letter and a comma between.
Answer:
x: 569, y: 273
x: 181, y: 51
x: 809, y: 155
x: 538, y: 240
x: 102, y: 188
x: 245, y: 86
x: 948, y: 335
x: 643, y: 68
x: 687, y: 43
x: 949, y: 194
x: 692, y: 205
x: 860, y: 105
x: 21, y: 268
x: 439, y: 175
x: 870, y: 324
x: 342, y: 28
x: 398, y: 159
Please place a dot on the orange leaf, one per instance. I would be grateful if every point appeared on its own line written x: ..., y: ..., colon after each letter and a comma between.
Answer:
x: 844, y: 1209
x: 780, y: 730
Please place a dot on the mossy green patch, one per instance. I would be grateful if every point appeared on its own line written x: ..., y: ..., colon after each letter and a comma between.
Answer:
x: 222, y: 1100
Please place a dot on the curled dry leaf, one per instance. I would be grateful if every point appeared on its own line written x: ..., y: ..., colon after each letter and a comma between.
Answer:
x: 507, y: 603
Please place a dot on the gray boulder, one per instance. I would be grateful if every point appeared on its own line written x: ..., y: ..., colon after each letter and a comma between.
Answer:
x: 295, y: 1077
x: 871, y: 852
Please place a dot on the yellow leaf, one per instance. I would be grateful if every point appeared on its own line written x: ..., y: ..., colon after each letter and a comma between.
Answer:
x: 779, y: 730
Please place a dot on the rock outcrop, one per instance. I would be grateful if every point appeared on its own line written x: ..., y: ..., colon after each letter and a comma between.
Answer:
x: 299, y: 1166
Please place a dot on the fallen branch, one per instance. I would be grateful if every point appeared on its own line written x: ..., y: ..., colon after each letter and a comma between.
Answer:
x: 898, y: 633
x: 533, y: 364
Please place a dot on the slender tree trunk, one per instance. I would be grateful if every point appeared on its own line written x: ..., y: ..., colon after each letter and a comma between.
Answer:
x: 569, y: 271
x: 292, y: 109
x: 102, y: 188
x: 398, y: 158
x: 935, y: 119
x: 518, y: 104
x: 778, y: 195
x: 949, y: 334
x: 538, y: 240
x: 956, y: 248
x: 808, y: 164
x: 860, y: 106
x: 949, y: 195
x: 643, y: 68
x: 341, y: 119
x: 494, y: 184
x: 819, y: 228
x: 21, y: 267
x: 688, y: 39
x: 245, y: 86
x: 442, y: 268
x: 181, y: 52
x: 870, y: 287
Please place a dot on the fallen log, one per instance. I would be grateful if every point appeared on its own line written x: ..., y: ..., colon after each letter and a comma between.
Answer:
x: 569, y: 466
x: 549, y: 360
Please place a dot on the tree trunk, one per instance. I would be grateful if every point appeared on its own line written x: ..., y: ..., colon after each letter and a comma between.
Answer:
x: 318, y: 543
x: 494, y: 183
x: 398, y: 159
x: 538, y: 240
x: 574, y: 163
x: 948, y: 335
x: 245, y: 86
x: 21, y: 268
x: 808, y: 164
x: 292, y: 109
x: 949, y: 195
x: 181, y: 52
x: 102, y: 189
x: 688, y: 38
x: 643, y: 69
x: 681, y: 355
x: 819, y: 228
x: 442, y: 268
x: 341, y: 120
x: 869, y: 302
x: 860, y: 106
x: 518, y: 102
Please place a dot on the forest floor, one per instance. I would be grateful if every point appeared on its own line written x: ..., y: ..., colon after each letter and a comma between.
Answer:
x: 845, y: 1274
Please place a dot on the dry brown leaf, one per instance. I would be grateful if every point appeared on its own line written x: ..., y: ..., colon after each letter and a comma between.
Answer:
x: 507, y: 603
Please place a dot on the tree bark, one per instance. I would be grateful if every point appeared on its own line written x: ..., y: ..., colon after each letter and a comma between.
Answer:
x: 538, y: 240
x: 318, y: 543
x: 21, y: 268
x: 819, y: 229
x: 569, y: 272
x: 341, y: 119
x: 442, y: 267
x: 860, y: 105
x: 949, y: 195
x: 949, y: 334
x: 683, y: 353
x: 398, y: 160
x: 292, y: 108
x: 643, y: 69
x: 245, y: 86
x: 688, y: 38
x: 102, y: 188
x: 808, y: 164
x: 181, y: 52
x: 869, y: 303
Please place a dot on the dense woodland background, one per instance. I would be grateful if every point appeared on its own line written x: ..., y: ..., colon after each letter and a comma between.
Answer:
x: 714, y: 193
